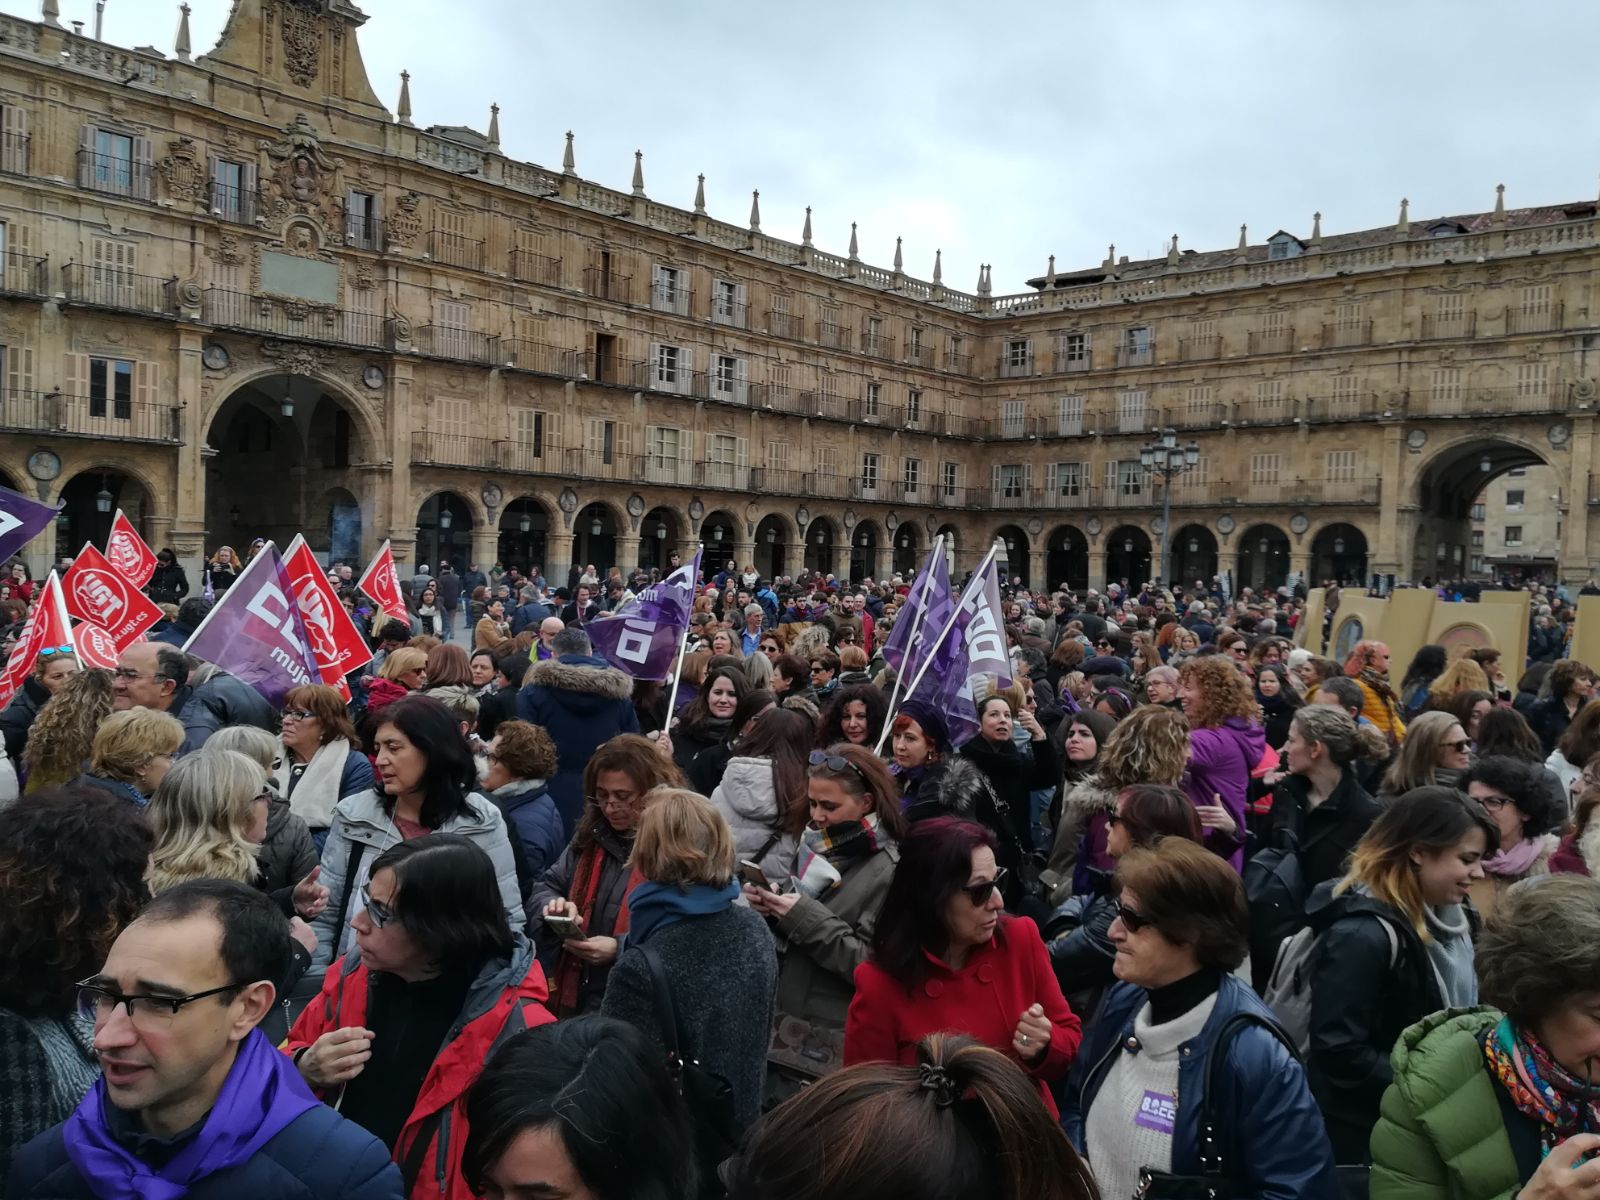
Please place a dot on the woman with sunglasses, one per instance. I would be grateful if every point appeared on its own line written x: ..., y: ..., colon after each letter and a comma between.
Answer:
x: 1436, y: 752
x: 1136, y: 1093
x: 825, y: 914
x: 435, y: 979
x: 946, y: 957
x: 320, y: 764
x: 54, y: 666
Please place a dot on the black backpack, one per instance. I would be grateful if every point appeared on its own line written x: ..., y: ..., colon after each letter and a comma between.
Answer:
x: 1276, y: 889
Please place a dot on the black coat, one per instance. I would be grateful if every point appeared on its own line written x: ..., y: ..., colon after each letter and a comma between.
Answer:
x: 17, y: 717
x: 1549, y: 719
x: 1326, y: 834
x: 1013, y: 775
x: 169, y: 585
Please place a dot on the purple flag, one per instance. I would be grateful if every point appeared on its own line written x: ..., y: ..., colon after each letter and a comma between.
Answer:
x: 21, y: 520
x: 256, y: 633
x: 975, y: 652
x: 902, y: 651
x: 642, y: 637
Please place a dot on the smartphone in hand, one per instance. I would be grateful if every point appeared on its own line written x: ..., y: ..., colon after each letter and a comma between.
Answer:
x: 754, y: 876
x: 564, y: 927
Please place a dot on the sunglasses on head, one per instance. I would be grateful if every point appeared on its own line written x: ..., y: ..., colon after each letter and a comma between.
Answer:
x: 52, y: 651
x: 979, y: 893
x: 836, y: 762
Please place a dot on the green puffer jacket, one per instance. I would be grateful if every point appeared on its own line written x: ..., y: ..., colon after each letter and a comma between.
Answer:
x: 1439, y: 1134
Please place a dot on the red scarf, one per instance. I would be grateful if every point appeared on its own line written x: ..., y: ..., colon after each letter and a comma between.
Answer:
x: 585, y: 887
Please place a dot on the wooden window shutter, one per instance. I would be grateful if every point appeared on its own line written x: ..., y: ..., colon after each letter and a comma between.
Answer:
x: 143, y: 168
x: 147, y: 415
x: 19, y: 370
x: 14, y: 139
x: 87, y: 136
x: 76, y: 369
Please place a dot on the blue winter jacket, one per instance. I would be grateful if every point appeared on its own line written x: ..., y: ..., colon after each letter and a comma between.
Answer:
x: 532, y: 818
x: 318, y: 1156
x: 1274, y: 1145
x: 581, y: 703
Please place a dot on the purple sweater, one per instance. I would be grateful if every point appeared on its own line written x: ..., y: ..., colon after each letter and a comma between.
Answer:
x: 1220, y: 762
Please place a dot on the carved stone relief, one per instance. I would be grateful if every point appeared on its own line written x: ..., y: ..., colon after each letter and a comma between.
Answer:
x: 181, y: 170
x: 405, y: 223
x: 302, y: 42
x: 300, y: 179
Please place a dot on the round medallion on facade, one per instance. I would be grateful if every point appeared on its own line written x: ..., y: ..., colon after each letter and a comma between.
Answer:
x: 696, y: 509
x: 492, y: 495
x: 1159, y: 525
x: 215, y: 357
x: 892, y: 522
x: 1094, y: 525
x: 1417, y: 439
x: 802, y: 516
x: 752, y: 511
x: 1559, y: 433
x: 44, y: 465
x: 636, y: 505
x: 568, y: 500
x: 1299, y: 523
x: 1226, y: 524
x: 932, y: 523
x: 850, y: 518
x: 373, y: 376
x: 1035, y: 526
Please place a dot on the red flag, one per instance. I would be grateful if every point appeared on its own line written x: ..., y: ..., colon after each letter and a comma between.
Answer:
x: 101, y: 595
x: 382, y: 582
x: 96, y: 647
x: 334, y: 638
x: 48, y: 627
x: 128, y: 553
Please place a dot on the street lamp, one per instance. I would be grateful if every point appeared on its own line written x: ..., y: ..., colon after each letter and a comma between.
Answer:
x: 1164, y: 457
x: 716, y: 533
x: 103, y: 498
x: 596, y: 528
x: 525, y: 523
x: 1485, y: 465
x: 445, y: 519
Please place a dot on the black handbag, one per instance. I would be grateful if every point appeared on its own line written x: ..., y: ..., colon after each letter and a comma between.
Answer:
x: 707, y: 1095
x: 1213, y: 1182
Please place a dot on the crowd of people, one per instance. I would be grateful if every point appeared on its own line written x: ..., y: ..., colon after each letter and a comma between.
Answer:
x: 1196, y: 912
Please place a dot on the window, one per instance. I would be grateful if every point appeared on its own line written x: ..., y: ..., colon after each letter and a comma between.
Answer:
x: 1202, y: 341
x: 1269, y: 395
x: 1450, y: 307
x: 232, y: 185
x: 1137, y: 344
x: 1477, y: 564
x: 832, y: 334
x: 955, y: 358
x: 728, y: 303
x: 911, y: 475
x: 730, y: 378
x: 1477, y: 512
x: 669, y: 290
x: 16, y: 371
x: 667, y: 369
x: 1265, y: 468
x: 602, y: 444
x: 1536, y: 300
x: 950, y: 479
x: 1514, y: 499
x: 1072, y: 352
x: 1533, y: 381
x: 1477, y: 539
x: 872, y: 401
x: 1340, y: 466
x: 113, y: 270
x: 1017, y: 358
x: 1345, y: 398
x: 827, y: 458
x: 914, y: 345
x: 1446, y: 388
x: 527, y: 432
x: 1283, y: 245
x: 872, y: 336
x: 112, y: 166
x: 361, y: 220
x: 869, y: 474
x: 1131, y: 411
x: 780, y: 455
x: 13, y: 139
x: 1199, y: 408
x: 1071, y: 479
x: 453, y: 337
x: 1010, y: 480
x: 668, y: 460
x: 1133, y: 478
x: 1012, y: 421
x: 1513, y: 535
x: 111, y: 386
x: 913, y: 406
x: 782, y: 325
x: 725, y: 461
x: 1069, y: 416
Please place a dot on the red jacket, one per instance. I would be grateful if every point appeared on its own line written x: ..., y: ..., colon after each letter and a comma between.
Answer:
x: 505, y: 999
x: 983, y: 1000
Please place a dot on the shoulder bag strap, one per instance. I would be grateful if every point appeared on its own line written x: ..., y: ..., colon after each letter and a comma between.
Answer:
x: 766, y: 847
x: 349, y: 887
x: 666, y: 1011
x: 1211, y: 1164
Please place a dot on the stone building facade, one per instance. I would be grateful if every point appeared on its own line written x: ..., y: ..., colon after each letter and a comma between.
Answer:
x: 239, y: 297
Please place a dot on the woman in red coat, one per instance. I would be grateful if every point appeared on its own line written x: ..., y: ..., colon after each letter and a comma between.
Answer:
x: 945, y: 956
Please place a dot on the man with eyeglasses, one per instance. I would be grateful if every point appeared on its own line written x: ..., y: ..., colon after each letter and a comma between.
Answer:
x: 193, y: 1099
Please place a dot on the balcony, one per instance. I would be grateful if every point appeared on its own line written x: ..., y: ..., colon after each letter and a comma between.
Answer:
x: 14, y: 155
x: 729, y: 313
x: 524, y: 355
x: 876, y: 344
x: 829, y: 486
x: 1342, y: 406
x: 605, y: 284
x: 671, y: 298
x: 1075, y: 360
x: 90, y: 417
x: 777, y: 481
x: 233, y: 204
x: 456, y: 250
x: 776, y: 398
x: 1069, y: 497
x: 463, y: 345
x: 115, y: 175
x: 536, y: 268
x: 603, y: 464
x: 429, y: 449
x: 958, y: 363
x: 1271, y: 341
x: 1267, y: 410
x: 671, y: 469
x: 1487, y: 402
x: 293, y: 319
x: 833, y: 336
x: 725, y: 476
x: 1344, y: 334
x: 1196, y: 414
x: 782, y: 323
x: 1136, y: 356
x: 363, y: 232
x: 1544, y: 318
x: 918, y: 355
x: 1449, y: 325
x: 24, y: 275
x: 667, y: 377
x: 1200, y: 349
x: 103, y: 287
x: 1291, y: 491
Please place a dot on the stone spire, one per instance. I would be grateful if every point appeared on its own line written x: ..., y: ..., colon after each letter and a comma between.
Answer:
x: 855, y: 246
x: 402, y: 112
x: 1316, y: 229
x: 1244, y: 239
x: 569, y: 162
x: 899, y: 257
x: 182, y: 47
x: 50, y: 13
x: 494, y: 125
x: 700, y: 197
x: 1499, y: 204
x: 1050, y: 273
x: 1111, y: 257
x: 1172, y: 252
x: 1403, y: 225
x: 755, y: 212
x: 638, y: 172
x: 805, y: 230
x: 938, y: 266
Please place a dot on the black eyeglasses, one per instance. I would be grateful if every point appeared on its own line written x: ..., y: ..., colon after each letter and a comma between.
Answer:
x: 979, y: 893
x: 380, y: 912
x: 299, y: 714
x: 1494, y: 803
x: 1132, y: 919
x: 1113, y: 820
x: 96, y: 1003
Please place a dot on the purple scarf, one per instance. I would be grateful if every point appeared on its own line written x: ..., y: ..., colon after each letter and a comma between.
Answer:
x: 261, y: 1096
x: 1513, y: 863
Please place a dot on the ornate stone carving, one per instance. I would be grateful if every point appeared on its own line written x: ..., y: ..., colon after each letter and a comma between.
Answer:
x: 301, y: 179
x: 190, y: 293
x: 296, y: 359
x: 302, y: 41
x: 182, y: 171
x: 364, y: 279
x: 226, y: 251
x: 567, y: 501
x: 405, y: 224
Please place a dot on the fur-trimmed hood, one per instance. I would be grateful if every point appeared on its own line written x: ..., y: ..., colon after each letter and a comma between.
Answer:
x: 582, y: 675
x: 950, y: 788
x: 1087, y: 797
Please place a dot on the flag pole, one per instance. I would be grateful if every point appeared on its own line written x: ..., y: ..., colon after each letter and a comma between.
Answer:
x: 950, y: 624
x: 916, y: 626
x: 683, y: 644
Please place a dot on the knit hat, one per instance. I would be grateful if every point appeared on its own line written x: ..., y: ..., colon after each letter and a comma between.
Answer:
x: 929, y: 719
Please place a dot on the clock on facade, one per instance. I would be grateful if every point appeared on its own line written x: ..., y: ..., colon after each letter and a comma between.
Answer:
x: 44, y: 465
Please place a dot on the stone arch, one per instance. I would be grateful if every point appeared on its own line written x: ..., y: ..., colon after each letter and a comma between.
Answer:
x: 526, y: 520
x: 1447, y: 481
x: 1263, y: 557
x: 82, y: 521
x: 1195, y: 555
x: 661, y: 532
x: 373, y: 438
x: 1129, y: 554
x: 1014, y: 553
x: 866, y: 545
x: 720, y: 549
x: 1066, y: 558
x: 339, y: 536
x: 1341, y: 551
x: 823, y: 536
x: 906, y: 555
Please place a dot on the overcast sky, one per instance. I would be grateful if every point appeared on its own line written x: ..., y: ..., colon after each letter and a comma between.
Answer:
x: 1005, y: 132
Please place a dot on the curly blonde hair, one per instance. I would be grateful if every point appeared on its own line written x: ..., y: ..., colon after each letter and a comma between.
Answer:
x: 1150, y: 745
x: 202, y: 813
x: 1463, y: 675
x: 1224, y: 691
x: 62, y: 736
